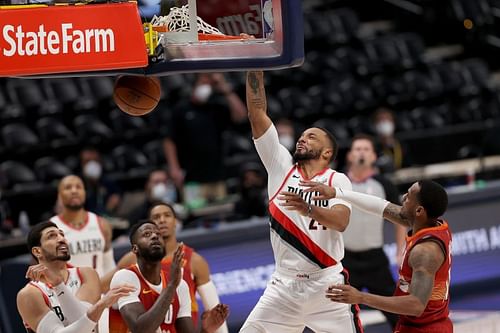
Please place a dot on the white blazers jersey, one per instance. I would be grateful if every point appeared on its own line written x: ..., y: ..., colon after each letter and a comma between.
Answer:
x: 300, y: 244
x: 86, y: 244
x: 74, y: 283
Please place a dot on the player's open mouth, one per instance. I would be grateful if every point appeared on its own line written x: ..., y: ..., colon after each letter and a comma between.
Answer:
x: 62, y: 248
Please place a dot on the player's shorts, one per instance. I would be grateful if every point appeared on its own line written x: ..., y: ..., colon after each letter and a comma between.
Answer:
x: 444, y: 326
x: 293, y: 301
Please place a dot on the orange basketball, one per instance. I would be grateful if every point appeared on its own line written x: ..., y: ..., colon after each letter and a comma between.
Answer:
x: 137, y: 95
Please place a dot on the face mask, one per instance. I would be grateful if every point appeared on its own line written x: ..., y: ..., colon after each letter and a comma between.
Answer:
x: 202, y: 92
x: 92, y: 170
x: 385, y: 127
x: 164, y: 192
x: 287, y: 141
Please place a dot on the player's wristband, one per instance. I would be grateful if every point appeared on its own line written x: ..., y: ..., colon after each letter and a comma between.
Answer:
x: 368, y: 203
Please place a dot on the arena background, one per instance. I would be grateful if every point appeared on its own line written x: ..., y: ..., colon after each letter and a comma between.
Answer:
x: 435, y: 63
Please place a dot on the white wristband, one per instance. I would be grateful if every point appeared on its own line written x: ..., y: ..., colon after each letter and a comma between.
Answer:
x: 51, y: 324
x: 368, y: 203
x: 210, y: 299
x: 73, y: 308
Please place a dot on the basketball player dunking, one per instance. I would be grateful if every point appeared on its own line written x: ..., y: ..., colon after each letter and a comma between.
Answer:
x: 89, y: 236
x: 305, y: 234
x: 422, y: 295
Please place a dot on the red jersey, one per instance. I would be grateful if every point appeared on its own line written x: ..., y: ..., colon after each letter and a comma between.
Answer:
x: 148, y: 297
x: 436, y: 312
x: 186, y: 276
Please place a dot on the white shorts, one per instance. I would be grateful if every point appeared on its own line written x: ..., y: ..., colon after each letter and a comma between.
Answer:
x: 293, y: 301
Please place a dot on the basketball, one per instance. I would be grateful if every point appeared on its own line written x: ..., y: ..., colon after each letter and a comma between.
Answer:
x: 137, y: 95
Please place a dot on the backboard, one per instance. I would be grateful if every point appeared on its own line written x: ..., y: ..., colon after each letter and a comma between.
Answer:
x: 181, y: 36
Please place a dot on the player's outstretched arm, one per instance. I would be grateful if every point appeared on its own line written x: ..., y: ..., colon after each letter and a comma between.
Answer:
x: 41, y: 319
x: 205, y: 287
x: 139, y: 320
x: 257, y: 103
x: 425, y: 260
x: 368, y: 203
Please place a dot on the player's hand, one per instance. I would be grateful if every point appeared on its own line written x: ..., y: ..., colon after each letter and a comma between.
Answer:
x: 322, y: 191
x: 40, y: 271
x: 344, y: 293
x: 176, y: 265
x: 293, y: 201
x: 114, y: 294
x: 211, y: 320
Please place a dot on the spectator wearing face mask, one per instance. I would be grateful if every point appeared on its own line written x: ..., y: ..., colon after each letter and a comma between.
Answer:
x: 393, y: 155
x: 158, y: 188
x: 103, y: 195
x: 193, y: 145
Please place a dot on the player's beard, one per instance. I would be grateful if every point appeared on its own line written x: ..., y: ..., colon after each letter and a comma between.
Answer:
x: 55, y: 256
x: 306, y: 156
x: 152, y: 254
x: 74, y: 207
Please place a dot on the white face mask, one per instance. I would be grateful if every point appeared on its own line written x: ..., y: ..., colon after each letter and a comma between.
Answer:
x: 385, y: 127
x: 202, y: 92
x: 164, y: 192
x: 92, y: 170
x: 288, y: 141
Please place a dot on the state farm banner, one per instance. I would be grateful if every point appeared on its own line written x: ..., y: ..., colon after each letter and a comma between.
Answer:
x: 64, y: 39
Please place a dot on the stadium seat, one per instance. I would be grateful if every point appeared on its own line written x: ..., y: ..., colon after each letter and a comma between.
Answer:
x: 18, y: 135
x: 48, y: 169
x: 89, y: 126
x: 127, y: 157
x: 15, y: 173
x: 123, y: 123
x: 53, y: 130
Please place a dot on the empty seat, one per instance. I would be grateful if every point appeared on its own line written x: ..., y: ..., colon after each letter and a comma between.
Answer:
x: 14, y: 173
x: 64, y: 90
x: 127, y: 157
x: 88, y: 126
x: 48, y: 169
x: 122, y: 122
x: 25, y: 92
x: 51, y: 129
x: 18, y: 135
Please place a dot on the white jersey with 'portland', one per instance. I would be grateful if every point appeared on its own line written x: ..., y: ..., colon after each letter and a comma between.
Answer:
x: 86, y: 244
x: 300, y: 244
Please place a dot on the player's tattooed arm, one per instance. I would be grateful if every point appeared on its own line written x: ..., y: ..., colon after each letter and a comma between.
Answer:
x: 392, y: 213
x: 425, y: 259
x: 257, y: 104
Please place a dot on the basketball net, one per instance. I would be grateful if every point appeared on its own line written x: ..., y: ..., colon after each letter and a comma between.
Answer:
x: 177, y: 20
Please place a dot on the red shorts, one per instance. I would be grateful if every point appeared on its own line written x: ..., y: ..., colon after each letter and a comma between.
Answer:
x: 444, y: 326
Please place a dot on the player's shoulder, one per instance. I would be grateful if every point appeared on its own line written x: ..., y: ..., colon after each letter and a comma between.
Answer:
x: 340, y: 178
x: 125, y: 275
x: 29, y: 292
x: 87, y: 274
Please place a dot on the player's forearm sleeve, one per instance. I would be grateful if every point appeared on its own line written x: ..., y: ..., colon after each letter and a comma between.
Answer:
x: 108, y: 261
x: 74, y: 309
x: 368, y: 203
x: 210, y: 299
x: 51, y: 324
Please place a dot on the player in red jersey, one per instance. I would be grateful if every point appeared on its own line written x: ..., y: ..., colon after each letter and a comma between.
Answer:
x: 159, y: 304
x: 196, y: 271
x: 421, y: 297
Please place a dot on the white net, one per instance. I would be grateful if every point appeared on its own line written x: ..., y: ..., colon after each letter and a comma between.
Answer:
x: 177, y: 20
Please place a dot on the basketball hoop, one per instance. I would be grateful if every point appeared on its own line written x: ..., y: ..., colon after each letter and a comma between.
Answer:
x: 178, y: 20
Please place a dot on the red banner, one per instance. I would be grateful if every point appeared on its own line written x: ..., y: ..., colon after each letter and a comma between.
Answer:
x: 65, y: 39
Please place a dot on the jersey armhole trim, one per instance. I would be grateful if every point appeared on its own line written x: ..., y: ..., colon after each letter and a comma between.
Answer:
x: 45, y: 297
x: 283, y: 183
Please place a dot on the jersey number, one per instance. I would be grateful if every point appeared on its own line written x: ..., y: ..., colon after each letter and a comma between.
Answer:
x: 313, y: 225
x: 94, y: 261
x: 169, y: 315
